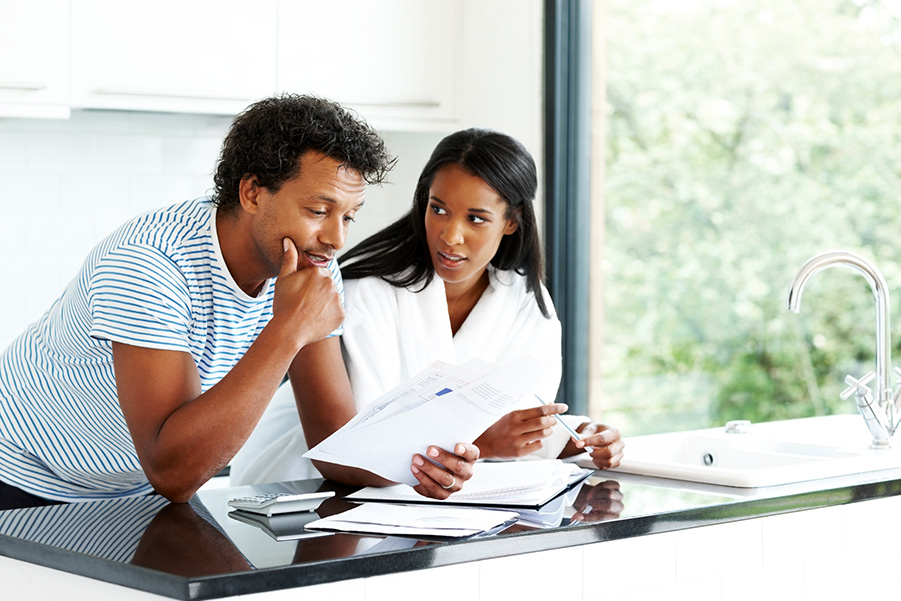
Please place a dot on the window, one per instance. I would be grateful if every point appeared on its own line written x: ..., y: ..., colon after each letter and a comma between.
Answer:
x: 740, y: 139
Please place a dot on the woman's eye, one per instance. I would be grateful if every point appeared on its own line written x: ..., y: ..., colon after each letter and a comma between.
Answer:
x: 437, y: 210
x: 317, y: 212
x: 350, y: 219
x: 476, y: 219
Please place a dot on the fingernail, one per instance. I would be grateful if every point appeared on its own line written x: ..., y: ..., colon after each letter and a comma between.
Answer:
x: 433, y: 452
x: 285, y: 244
x: 460, y: 449
x: 414, y: 469
x: 417, y: 460
x: 565, y: 407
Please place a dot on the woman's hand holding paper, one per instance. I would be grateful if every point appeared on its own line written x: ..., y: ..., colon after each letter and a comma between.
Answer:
x: 443, y: 473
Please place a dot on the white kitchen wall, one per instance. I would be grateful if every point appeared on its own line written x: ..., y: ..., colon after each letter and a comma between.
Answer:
x: 65, y: 184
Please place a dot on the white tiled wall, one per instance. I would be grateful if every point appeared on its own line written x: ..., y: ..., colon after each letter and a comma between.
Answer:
x: 65, y: 184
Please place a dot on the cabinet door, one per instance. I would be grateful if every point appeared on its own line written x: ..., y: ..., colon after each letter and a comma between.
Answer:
x: 34, y: 58
x: 393, y: 60
x: 203, y: 56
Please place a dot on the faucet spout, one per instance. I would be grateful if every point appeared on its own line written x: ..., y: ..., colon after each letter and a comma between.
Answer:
x: 883, y: 396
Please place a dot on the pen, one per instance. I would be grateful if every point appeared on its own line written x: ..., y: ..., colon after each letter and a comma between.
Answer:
x: 566, y: 426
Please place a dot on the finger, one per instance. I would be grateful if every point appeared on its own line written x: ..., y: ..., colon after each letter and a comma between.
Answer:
x: 427, y: 486
x: 602, y: 437
x: 469, y: 452
x: 289, y: 259
x: 458, y: 467
x: 609, y: 456
x: 549, y: 409
x: 433, y: 480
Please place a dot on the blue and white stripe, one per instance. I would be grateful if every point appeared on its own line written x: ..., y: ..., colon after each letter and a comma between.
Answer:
x: 159, y: 282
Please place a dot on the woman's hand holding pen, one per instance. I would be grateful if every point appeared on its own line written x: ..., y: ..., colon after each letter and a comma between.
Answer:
x: 444, y: 473
x: 604, y: 443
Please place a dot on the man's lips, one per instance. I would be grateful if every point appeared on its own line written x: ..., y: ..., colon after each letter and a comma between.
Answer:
x: 319, y: 259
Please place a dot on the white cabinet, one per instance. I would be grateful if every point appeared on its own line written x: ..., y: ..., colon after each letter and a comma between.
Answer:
x: 202, y: 56
x: 34, y: 59
x: 395, y: 61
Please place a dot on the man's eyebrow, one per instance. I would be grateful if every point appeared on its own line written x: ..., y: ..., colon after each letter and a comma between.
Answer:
x: 332, y: 201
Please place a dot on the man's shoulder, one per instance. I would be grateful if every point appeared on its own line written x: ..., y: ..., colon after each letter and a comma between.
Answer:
x: 185, y: 223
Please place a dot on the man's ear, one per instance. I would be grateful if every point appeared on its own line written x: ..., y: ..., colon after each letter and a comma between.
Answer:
x: 249, y: 191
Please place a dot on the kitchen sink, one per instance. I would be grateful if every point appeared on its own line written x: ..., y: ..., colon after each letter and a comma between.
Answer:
x: 761, y: 454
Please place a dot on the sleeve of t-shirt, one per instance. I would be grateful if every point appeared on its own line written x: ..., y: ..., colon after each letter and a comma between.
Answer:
x: 138, y: 296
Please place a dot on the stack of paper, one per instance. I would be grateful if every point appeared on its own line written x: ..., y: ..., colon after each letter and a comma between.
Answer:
x: 407, y: 520
x: 442, y: 406
x: 509, y: 484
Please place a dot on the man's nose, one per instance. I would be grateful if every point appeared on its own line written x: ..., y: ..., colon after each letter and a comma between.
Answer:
x: 334, y: 233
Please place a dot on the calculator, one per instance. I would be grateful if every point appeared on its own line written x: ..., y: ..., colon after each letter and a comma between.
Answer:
x: 282, y: 502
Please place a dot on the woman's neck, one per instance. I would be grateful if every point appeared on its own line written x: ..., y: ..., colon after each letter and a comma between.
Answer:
x: 461, y: 301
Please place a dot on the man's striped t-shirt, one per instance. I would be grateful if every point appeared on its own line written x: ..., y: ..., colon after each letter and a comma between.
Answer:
x: 159, y: 282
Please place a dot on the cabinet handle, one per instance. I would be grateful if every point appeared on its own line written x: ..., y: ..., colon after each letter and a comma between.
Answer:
x: 121, y: 91
x: 29, y: 86
x: 393, y: 103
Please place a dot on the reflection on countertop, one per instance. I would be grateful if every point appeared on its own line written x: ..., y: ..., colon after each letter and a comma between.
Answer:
x: 197, y: 550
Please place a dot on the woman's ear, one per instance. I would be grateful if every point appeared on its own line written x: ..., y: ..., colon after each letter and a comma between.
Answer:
x: 513, y: 222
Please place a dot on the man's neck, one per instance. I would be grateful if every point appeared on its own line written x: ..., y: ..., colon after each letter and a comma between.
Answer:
x: 236, y: 244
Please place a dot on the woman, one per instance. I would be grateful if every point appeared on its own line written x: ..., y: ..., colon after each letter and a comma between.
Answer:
x: 458, y: 277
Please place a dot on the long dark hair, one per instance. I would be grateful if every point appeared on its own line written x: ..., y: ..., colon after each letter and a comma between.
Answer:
x: 399, y: 254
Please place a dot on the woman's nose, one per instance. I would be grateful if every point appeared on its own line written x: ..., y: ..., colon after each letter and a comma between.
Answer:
x: 452, y: 234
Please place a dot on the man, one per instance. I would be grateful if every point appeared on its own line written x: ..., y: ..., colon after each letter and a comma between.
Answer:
x: 155, y: 364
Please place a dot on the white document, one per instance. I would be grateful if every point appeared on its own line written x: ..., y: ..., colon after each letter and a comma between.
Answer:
x: 442, y: 406
x: 407, y: 520
x: 505, y: 484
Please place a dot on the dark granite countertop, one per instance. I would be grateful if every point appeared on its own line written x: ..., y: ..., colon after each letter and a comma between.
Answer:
x: 197, y: 551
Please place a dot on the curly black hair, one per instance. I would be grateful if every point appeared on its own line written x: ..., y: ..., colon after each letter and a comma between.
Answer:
x: 268, y: 138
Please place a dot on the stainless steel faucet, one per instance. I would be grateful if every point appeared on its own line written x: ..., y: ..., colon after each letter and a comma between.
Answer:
x: 878, y: 413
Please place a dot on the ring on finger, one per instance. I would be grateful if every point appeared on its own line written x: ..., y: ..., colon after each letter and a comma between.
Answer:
x: 451, y: 485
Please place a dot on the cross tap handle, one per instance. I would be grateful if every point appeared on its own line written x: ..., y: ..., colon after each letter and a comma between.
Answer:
x: 858, y: 386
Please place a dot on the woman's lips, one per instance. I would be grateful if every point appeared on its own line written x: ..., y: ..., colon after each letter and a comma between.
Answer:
x: 449, y: 260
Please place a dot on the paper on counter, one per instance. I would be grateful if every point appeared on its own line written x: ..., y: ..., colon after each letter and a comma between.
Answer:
x: 442, y: 406
x: 507, y: 484
x: 408, y: 520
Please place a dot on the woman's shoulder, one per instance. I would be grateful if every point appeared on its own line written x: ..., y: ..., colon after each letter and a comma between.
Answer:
x: 516, y: 287
x: 367, y: 285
